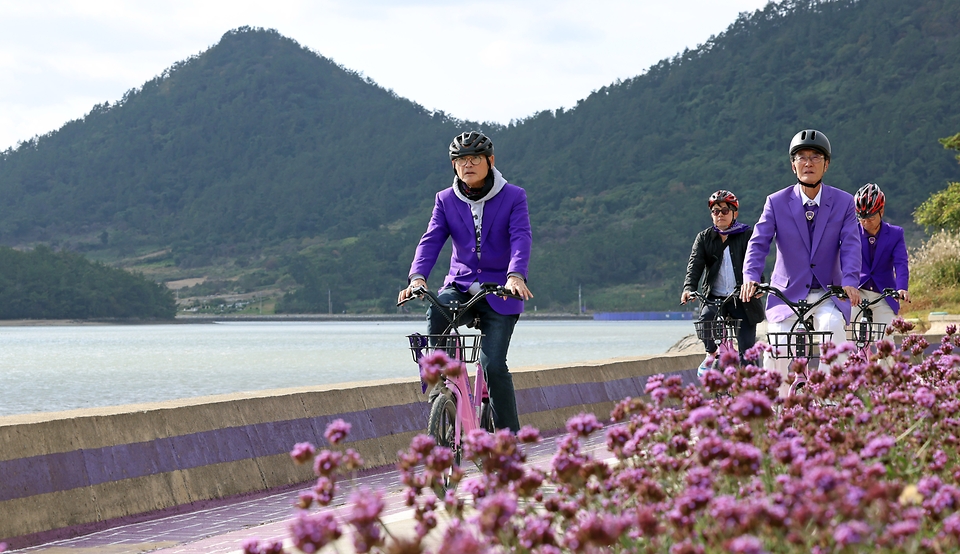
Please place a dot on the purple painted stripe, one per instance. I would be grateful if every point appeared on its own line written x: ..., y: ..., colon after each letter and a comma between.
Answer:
x: 62, y: 471
x: 35, y: 475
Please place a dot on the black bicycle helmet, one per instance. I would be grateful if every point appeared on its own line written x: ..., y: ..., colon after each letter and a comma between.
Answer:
x: 724, y: 196
x: 810, y: 138
x: 869, y: 200
x: 472, y: 143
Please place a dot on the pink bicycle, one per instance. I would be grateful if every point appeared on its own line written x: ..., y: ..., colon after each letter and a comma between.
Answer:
x: 455, y: 409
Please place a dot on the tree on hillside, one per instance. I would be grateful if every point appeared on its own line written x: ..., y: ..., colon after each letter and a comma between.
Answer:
x: 942, y: 209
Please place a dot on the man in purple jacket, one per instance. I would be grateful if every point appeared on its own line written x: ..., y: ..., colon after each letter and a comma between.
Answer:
x: 488, y: 223
x: 818, y: 244
x: 884, y: 261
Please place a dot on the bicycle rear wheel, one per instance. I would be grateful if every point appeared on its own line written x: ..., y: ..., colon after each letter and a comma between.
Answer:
x: 486, y: 417
x: 442, y: 425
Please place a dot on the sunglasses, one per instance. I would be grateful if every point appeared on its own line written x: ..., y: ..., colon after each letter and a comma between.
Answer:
x: 720, y: 211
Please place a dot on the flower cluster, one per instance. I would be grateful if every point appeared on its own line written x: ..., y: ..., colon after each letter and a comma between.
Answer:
x: 864, y: 456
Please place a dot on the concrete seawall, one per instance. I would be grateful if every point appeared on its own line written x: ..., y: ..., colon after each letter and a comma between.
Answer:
x: 67, y: 473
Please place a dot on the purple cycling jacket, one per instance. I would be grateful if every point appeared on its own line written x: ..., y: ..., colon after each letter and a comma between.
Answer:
x: 889, y: 267
x: 833, y: 257
x: 505, y: 241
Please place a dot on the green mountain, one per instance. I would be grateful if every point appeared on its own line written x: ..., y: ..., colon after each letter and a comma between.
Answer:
x: 265, y: 163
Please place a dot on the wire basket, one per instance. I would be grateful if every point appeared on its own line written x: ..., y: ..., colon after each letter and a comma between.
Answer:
x: 718, y: 330
x: 864, y: 333
x: 798, y: 344
x: 465, y: 348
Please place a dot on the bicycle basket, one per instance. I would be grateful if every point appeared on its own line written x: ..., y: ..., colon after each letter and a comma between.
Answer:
x: 864, y: 333
x: 798, y: 344
x: 718, y: 330
x: 465, y: 348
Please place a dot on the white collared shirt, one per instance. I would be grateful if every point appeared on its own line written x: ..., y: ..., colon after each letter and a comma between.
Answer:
x: 798, y: 191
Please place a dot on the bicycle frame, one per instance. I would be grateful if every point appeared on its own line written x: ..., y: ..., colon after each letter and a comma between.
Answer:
x: 722, y: 330
x: 805, y: 343
x: 863, y: 330
x: 465, y: 348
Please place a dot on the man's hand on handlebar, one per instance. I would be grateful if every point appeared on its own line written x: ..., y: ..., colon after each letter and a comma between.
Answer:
x: 748, y: 290
x: 408, y: 292
x: 685, y: 297
x: 853, y: 293
x: 517, y: 286
x: 904, y: 295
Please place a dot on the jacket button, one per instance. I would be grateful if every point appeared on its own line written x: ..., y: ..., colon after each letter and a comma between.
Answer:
x: 474, y: 250
x: 813, y: 265
x: 479, y: 271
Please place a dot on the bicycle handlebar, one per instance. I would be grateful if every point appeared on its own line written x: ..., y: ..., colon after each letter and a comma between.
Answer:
x: 801, y: 308
x: 485, y: 289
x: 697, y: 295
x: 888, y: 292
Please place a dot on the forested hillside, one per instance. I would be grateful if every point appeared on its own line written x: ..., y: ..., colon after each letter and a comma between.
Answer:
x: 261, y: 157
x: 43, y: 284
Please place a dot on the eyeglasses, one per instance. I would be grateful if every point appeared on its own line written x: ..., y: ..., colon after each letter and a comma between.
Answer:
x: 814, y: 159
x: 720, y: 211
x: 471, y: 160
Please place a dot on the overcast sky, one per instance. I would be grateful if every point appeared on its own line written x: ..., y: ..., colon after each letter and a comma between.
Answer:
x: 59, y: 58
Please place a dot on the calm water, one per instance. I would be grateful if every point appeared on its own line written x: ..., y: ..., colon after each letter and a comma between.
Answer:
x: 46, y: 369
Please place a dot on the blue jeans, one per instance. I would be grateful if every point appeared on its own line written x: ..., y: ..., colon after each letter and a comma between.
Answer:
x: 497, y: 330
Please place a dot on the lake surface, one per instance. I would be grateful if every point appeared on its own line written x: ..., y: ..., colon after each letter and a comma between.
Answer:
x: 56, y: 368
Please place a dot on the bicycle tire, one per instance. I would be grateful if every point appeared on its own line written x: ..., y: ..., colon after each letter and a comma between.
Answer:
x: 486, y: 417
x: 442, y: 425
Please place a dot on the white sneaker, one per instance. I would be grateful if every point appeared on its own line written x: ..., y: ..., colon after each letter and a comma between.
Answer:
x: 706, y: 364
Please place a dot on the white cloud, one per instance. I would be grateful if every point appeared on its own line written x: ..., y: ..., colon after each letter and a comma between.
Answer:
x: 59, y: 58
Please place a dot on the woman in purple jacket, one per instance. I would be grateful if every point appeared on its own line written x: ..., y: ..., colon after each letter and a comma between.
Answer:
x: 487, y: 221
x: 884, y: 262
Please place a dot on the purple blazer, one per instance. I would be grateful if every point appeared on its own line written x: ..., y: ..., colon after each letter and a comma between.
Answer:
x: 504, y: 244
x: 834, y: 259
x: 889, y: 267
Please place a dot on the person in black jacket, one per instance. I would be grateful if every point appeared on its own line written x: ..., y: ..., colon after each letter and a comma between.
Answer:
x: 717, y: 261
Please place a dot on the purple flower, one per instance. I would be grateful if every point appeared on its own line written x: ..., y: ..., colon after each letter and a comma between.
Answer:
x: 925, y: 397
x: 702, y: 416
x: 460, y: 539
x: 495, y: 512
x: 324, y: 490
x: 302, y: 452
x: 751, y: 405
x: 851, y: 532
x: 432, y: 366
x: 366, y: 506
x: 951, y: 525
x: 878, y: 447
x: 528, y: 434
x: 337, y: 431
x: 313, y: 532
x: 583, y: 424
x: 745, y: 544
x: 326, y: 462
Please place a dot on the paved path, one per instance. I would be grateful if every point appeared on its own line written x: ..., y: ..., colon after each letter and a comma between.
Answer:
x: 222, y: 529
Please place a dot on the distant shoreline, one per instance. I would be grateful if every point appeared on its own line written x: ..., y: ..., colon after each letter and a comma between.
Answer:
x: 235, y: 318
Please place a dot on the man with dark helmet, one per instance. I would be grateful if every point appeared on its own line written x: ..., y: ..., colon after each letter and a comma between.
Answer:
x: 717, y: 260
x: 488, y: 223
x: 884, y: 263
x: 818, y: 244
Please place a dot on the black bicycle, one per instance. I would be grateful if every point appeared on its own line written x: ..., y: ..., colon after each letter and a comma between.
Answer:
x: 723, y: 330
x: 863, y: 330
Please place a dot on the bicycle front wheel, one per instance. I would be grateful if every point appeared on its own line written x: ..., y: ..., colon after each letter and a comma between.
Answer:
x: 442, y: 425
